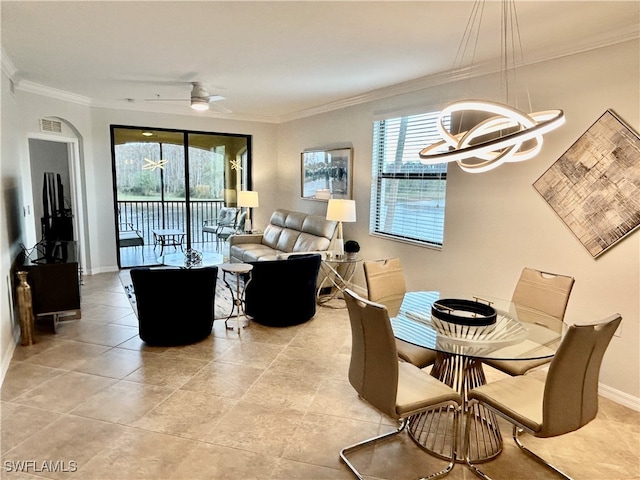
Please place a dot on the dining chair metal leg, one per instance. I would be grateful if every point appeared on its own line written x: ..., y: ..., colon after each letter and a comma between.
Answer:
x: 516, y: 433
x: 384, y: 436
x: 357, y: 446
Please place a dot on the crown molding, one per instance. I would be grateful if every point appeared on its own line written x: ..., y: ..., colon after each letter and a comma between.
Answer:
x: 8, y: 68
x: 631, y: 32
x: 38, y: 89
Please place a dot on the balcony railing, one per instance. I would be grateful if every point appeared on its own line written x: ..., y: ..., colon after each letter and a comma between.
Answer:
x: 146, y: 216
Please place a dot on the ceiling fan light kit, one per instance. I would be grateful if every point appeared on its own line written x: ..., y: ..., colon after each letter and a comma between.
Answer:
x: 199, y: 98
x: 200, y: 104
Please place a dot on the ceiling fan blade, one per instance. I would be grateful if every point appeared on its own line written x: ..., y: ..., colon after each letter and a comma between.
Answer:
x: 219, y: 108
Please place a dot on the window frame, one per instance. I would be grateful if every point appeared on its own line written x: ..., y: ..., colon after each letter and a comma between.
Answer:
x: 424, y: 132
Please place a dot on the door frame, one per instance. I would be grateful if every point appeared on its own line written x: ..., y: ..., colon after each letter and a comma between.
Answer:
x: 77, y: 192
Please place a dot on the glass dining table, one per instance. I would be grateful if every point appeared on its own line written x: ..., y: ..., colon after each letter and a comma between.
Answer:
x: 519, y: 333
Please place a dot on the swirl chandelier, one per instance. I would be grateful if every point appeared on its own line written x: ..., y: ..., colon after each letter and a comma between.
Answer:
x: 506, y: 134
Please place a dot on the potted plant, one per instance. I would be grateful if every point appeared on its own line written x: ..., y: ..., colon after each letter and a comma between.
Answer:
x: 351, y: 249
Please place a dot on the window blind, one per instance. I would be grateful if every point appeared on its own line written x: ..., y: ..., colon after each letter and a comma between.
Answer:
x: 408, y: 197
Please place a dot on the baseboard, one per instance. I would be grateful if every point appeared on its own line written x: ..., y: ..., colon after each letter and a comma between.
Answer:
x: 619, y: 397
x: 6, y: 360
x: 96, y: 271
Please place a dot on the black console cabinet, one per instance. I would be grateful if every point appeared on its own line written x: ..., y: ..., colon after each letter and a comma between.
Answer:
x: 54, y: 276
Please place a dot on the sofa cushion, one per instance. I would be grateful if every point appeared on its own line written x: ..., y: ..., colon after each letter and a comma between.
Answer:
x: 287, y: 240
x: 295, y: 221
x: 252, y: 252
x: 271, y: 235
x: 305, y: 242
x: 318, y: 226
x: 279, y: 217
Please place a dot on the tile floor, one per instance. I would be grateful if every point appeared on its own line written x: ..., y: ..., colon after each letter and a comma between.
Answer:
x: 266, y: 404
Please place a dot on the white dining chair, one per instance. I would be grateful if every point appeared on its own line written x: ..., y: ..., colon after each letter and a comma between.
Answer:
x: 386, y: 285
x: 542, y: 292
x: 564, y: 402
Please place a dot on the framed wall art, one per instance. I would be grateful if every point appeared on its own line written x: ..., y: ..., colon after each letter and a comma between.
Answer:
x: 326, y: 174
x: 594, y: 187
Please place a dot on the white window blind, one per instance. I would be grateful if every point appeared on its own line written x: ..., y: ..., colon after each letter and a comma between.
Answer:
x: 408, y: 197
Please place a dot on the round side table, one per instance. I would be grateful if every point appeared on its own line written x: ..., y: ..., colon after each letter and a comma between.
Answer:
x: 237, y: 269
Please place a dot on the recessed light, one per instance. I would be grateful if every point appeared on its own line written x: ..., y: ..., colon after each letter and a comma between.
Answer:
x: 147, y: 134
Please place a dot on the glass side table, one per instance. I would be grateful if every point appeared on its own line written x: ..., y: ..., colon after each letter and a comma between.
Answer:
x: 337, y: 273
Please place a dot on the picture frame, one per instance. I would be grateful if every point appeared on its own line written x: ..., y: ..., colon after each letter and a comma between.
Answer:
x: 594, y: 187
x: 326, y: 174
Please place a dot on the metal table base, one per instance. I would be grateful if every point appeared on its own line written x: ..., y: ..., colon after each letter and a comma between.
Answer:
x: 426, y: 429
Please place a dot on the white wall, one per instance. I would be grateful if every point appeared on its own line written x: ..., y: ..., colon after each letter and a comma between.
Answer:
x: 10, y: 218
x: 496, y: 223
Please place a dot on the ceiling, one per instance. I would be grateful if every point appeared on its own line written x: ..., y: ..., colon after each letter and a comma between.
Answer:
x: 275, y: 61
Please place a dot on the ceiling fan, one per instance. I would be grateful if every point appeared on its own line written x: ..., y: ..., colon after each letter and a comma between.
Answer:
x: 200, y: 99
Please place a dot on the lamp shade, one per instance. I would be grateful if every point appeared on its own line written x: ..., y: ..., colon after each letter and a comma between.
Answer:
x: 341, y: 210
x: 248, y: 198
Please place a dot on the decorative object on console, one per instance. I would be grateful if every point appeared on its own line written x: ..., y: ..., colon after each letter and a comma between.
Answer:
x: 326, y: 174
x: 25, y: 307
x: 594, y: 186
x: 341, y: 210
x: 248, y: 199
x: 503, y: 133
x: 351, y: 248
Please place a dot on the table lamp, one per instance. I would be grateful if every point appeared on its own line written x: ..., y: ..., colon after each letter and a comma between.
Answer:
x: 248, y: 199
x: 341, y: 210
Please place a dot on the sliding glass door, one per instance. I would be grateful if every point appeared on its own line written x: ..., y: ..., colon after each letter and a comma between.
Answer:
x: 167, y: 183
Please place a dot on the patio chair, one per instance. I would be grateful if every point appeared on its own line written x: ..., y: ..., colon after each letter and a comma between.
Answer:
x: 225, y: 224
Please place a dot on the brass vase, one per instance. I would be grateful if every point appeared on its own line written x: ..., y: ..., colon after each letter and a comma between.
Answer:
x: 25, y: 308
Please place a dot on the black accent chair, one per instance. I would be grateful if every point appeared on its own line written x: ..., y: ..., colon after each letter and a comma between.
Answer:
x: 283, y: 292
x: 175, y: 305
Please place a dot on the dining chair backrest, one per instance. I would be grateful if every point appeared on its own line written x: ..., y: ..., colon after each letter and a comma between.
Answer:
x: 571, y: 387
x: 385, y: 283
x: 373, y: 371
x: 542, y: 291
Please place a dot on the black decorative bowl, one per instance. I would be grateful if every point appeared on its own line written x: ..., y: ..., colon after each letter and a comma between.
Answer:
x: 464, y: 312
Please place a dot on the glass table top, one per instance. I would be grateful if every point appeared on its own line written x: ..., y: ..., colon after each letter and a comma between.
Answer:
x: 519, y: 333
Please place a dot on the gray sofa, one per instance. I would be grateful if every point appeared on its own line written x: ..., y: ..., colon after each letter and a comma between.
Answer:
x: 287, y: 233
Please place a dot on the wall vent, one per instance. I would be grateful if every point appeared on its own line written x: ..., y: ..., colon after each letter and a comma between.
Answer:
x: 48, y: 125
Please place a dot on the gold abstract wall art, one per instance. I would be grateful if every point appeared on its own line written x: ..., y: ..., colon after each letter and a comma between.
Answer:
x: 594, y: 187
